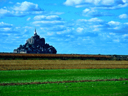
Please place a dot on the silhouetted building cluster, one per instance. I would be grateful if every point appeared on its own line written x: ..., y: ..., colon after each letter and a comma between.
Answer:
x: 35, y: 44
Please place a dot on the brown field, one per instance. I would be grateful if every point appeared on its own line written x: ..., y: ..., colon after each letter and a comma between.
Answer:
x: 50, y: 55
x: 12, y: 56
x: 60, y: 64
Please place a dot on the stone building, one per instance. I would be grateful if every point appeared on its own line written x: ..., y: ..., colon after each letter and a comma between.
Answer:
x: 35, y: 44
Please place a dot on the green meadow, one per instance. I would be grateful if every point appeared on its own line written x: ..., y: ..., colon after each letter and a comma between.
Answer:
x: 15, y: 76
x: 104, y: 88
x: 97, y: 88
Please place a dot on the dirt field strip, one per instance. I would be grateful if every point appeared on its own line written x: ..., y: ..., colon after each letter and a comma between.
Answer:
x: 60, y: 64
x: 27, y: 83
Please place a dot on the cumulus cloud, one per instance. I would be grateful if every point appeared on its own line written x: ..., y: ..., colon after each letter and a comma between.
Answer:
x: 98, y: 3
x: 3, y: 25
x: 94, y: 13
x: 94, y: 2
x: 48, y: 21
x: 125, y: 35
x: 28, y: 19
x: 58, y: 29
x: 5, y: 29
x: 21, y: 9
x: 79, y: 29
x: 89, y: 27
x: 125, y: 1
x: 95, y: 25
x: 116, y: 27
x: 54, y: 25
x: 113, y: 23
x: 50, y: 17
x: 123, y: 16
x: 73, y: 2
x: 92, y: 21
x: 83, y: 28
x: 26, y: 6
x: 91, y: 12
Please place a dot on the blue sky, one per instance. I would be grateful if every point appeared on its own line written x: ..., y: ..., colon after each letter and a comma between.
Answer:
x: 71, y: 26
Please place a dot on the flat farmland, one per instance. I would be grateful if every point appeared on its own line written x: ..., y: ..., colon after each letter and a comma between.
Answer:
x: 64, y: 82
x: 22, y: 76
x: 61, y: 64
x: 105, y: 88
x: 63, y: 78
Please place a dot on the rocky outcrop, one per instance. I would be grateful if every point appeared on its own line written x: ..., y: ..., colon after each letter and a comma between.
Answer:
x: 35, y: 44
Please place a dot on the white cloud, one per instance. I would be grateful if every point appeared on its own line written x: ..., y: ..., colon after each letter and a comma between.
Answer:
x: 90, y: 20
x: 116, y: 40
x: 125, y: 35
x: 125, y: 1
x: 50, y: 33
x: 43, y: 17
x: 3, y: 11
x: 48, y: 22
x: 94, y: 13
x: 123, y: 16
x: 26, y: 6
x: 2, y: 25
x: 95, y: 20
x: 52, y: 22
x: 99, y: 3
x: 6, y: 29
x: 79, y: 29
x: 107, y: 2
x: 28, y: 19
x: 21, y: 9
x: 86, y: 10
x: 114, y: 23
x: 72, y: 2
x: 5, y: 26
x: 95, y: 25
x: 10, y: 2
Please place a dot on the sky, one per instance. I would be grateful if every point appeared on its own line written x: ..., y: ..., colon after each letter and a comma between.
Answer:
x: 71, y: 26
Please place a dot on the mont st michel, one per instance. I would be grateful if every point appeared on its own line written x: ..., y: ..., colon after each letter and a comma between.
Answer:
x: 36, y: 44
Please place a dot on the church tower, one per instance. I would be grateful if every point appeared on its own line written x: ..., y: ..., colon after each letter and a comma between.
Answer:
x: 35, y: 33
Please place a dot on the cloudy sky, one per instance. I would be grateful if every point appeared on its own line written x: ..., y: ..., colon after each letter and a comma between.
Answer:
x: 71, y: 26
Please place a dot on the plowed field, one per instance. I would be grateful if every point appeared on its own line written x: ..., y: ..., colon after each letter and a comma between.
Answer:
x: 60, y: 64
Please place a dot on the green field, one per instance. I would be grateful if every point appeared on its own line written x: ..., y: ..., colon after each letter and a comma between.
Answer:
x: 105, y: 88
x: 61, y: 75
x: 100, y: 88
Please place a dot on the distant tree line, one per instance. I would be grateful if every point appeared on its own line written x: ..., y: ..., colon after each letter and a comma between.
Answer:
x: 12, y: 56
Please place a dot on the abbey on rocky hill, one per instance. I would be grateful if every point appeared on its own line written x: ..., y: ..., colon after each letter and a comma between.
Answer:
x: 35, y: 44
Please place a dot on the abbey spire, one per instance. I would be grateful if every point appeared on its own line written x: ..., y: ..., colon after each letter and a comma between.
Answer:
x: 35, y: 33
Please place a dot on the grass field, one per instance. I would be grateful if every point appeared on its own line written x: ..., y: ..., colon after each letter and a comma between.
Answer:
x: 106, y: 78
x: 105, y: 88
x: 61, y: 75
x: 100, y: 88
x: 60, y: 64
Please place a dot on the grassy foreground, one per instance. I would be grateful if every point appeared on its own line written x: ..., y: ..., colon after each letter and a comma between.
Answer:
x: 15, y: 76
x: 97, y: 88
x: 105, y: 88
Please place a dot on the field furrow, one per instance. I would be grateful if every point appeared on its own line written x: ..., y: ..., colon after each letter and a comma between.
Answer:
x: 27, y: 83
